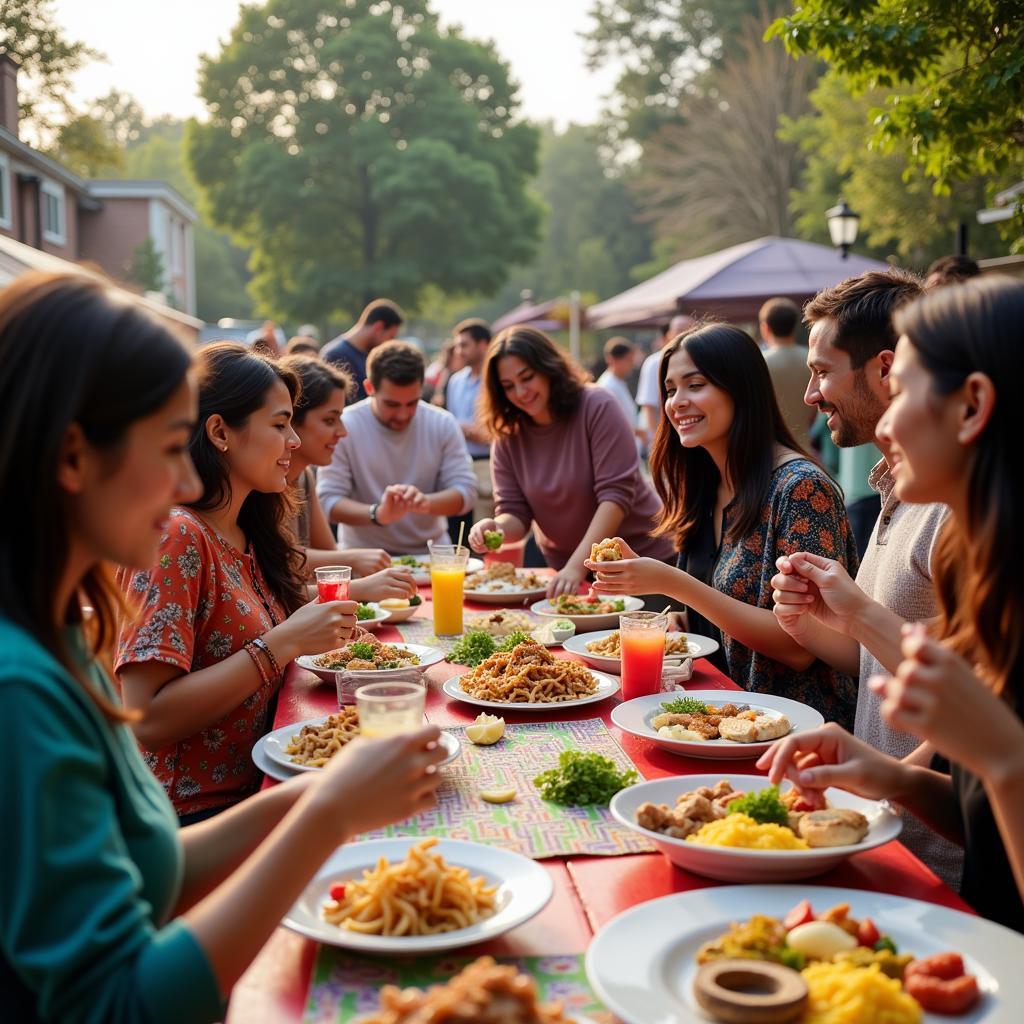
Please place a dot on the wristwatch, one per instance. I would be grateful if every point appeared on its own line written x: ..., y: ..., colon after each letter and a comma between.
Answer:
x: 373, y: 513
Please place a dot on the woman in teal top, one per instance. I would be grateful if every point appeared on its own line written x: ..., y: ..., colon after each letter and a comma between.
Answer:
x: 107, y: 911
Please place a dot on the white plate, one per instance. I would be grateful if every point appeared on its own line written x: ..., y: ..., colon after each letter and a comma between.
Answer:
x: 524, y: 890
x: 428, y: 656
x: 507, y: 597
x: 606, y: 687
x: 588, y: 623
x: 729, y: 864
x: 634, y: 716
x: 642, y: 963
x: 422, y: 575
x: 396, y: 615
x: 274, y: 743
x: 699, y: 647
x: 380, y: 616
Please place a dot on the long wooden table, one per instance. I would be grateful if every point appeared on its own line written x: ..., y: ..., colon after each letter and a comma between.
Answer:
x: 589, y: 891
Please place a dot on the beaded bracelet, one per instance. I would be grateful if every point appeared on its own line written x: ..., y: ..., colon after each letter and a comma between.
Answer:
x: 265, y: 648
x: 252, y: 649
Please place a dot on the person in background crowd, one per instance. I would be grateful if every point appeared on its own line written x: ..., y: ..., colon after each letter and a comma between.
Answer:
x: 620, y: 360
x: 951, y: 441
x: 223, y: 609
x: 109, y: 912
x: 379, y: 322
x: 471, y: 340
x: 404, y: 468
x: 563, y: 458
x: 855, y: 627
x: 737, y: 492
x: 302, y: 345
x: 448, y: 362
x: 787, y: 364
x: 950, y: 270
x: 318, y: 422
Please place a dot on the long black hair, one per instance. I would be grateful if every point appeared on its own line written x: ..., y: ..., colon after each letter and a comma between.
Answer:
x: 687, y: 478
x: 73, y: 350
x: 233, y: 382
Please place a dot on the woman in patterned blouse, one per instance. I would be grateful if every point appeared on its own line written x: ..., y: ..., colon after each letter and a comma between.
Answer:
x: 224, y: 610
x: 738, y: 492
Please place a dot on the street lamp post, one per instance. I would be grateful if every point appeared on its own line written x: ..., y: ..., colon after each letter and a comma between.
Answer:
x: 842, y: 226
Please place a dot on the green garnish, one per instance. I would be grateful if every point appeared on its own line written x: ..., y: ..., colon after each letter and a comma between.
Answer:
x: 763, y: 807
x: 493, y: 539
x: 362, y: 651
x: 885, y: 942
x: 563, y: 624
x: 476, y: 646
x: 583, y: 778
x: 364, y: 611
x: 406, y: 560
x: 791, y: 958
x: 415, y: 600
x: 685, y: 706
x: 514, y: 640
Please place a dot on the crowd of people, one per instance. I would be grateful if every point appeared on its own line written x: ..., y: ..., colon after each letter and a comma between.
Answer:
x: 166, y: 510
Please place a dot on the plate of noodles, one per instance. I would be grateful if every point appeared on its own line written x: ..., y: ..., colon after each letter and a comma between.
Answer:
x: 307, y: 746
x: 415, y: 896
x: 367, y: 658
x: 643, y: 962
x: 532, y: 678
x: 601, y: 649
x: 503, y: 583
x: 587, y: 613
x: 419, y: 565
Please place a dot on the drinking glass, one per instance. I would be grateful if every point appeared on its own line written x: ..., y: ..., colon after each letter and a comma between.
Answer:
x: 389, y: 708
x: 447, y: 576
x: 642, y: 644
x: 332, y: 583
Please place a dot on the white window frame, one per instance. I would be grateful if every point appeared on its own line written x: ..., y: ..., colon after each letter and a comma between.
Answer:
x: 6, y: 196
x: 52, y: 189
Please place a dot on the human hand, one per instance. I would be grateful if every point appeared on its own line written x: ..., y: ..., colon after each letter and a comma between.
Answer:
x: 395, y: 581
x: 566, y: 581
x: 477, y: 531
x: 365, y: 561
x: 809, y: 584
x: 392, y: 506
x: 314, y: 628
x: 830, y: 756
x: 373, y: 783
x: 936, y: 696
x: 629, y: 575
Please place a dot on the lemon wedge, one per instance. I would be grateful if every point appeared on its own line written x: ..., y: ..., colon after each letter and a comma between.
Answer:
x: 498, y: 796
x: 487, y: 729
x: 394, y: 602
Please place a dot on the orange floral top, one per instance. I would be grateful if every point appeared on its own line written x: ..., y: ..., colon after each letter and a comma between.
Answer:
x: 201, y: 604
x: 803, y: 511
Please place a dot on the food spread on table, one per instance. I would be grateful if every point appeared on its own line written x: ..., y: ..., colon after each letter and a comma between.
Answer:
x: 476, y: 647
x: 528, y: 674
x: 500, y: 623
x: 315, y: 745
x: 695, y: 721
x: 581, y: 604
x: 503, y: 578
x: 722, y: 816
x: 367, y: 654
x: 610, y: 646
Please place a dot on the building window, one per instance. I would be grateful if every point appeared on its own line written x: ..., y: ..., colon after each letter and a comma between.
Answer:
x: 5, y: 192
x: 52, y: 198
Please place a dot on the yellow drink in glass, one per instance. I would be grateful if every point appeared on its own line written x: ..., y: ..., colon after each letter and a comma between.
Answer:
x: 447, y: 576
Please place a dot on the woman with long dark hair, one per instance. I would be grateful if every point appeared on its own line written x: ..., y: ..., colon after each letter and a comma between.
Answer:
x: 951, y: 436
x: 108, y: 911
x: 564, y: 458
x: 738, y: 491
x: 224, y: 610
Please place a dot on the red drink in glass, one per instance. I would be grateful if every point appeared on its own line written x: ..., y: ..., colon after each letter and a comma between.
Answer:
x: 332, y: 590
x: 643, y: 651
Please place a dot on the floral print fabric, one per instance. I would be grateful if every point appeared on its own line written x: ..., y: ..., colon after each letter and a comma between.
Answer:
x: 203, y: 602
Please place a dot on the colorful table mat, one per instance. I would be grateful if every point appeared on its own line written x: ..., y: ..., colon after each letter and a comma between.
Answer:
x: 345, y: 987
x: 420, y: 630
x: 528, y: 825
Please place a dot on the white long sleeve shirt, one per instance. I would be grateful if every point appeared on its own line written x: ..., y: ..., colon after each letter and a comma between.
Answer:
x: 429, y: 454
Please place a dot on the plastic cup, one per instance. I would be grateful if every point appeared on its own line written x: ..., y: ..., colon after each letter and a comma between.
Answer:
x: 642, y: 643
x: 447, y: 578
x: 390, y: 708
x: 332, y: 583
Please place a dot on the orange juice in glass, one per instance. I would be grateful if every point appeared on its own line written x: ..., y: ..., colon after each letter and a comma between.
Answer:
x: 447, y: 576
x: 642, y: 643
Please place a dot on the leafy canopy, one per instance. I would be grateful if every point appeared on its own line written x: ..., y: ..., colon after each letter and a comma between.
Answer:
x: 359, y: 150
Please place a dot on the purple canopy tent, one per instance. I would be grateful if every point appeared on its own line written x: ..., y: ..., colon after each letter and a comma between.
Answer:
x: 732, y: 283
x: 553, y: 315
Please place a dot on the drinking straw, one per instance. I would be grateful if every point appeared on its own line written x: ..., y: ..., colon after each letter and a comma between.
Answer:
x: 462, y: 530
x: 666, y: 609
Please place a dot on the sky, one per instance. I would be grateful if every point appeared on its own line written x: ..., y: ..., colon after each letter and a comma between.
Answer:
x: 153, y: 50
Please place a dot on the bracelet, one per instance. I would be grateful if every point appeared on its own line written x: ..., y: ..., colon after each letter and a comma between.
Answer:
x: 373, y: 513
x: 252, y: 649
x: 265, y: 648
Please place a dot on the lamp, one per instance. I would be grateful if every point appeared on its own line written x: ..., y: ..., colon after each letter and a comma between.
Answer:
x: 842, y: 226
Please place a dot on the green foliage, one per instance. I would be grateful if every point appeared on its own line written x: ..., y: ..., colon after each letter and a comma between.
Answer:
x: 472, y: 649
x: 147, y: 266
x: 514, y: 639
x: 763, y: 807
x: 583, y: 778
x: 363, y: 151
x: 955, y: 71
x: 685, y: 706
x: 84, y: 146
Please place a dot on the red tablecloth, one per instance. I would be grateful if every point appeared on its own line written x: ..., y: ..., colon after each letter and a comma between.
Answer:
x: 589, y: 891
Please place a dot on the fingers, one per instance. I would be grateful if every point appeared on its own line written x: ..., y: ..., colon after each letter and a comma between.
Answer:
x: 627, y: 551
x: 784, y: 565
x: 789, y: 583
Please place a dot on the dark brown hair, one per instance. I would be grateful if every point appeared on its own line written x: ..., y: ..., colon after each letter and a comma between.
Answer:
x: 781, y: 317
x: 317, y: 380
x: 950, y: 270
x: 479, y: 330
x: 687, y: 479
x: 566, y: 377
x: 233, y: 382
x: 396, y: 361
x: 73, y: 350
x: 381, y: 311
x: 618, y: 348
x: 957, y: 331
x: 863, y: 307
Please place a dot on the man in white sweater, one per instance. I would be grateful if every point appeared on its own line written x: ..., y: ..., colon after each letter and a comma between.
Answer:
x: 403, y: 468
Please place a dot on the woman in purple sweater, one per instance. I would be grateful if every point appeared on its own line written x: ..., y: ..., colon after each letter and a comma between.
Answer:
x: 564, y: 458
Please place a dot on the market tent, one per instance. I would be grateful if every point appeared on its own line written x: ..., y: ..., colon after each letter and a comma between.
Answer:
x: 732, y: 283
x: 553, y: 315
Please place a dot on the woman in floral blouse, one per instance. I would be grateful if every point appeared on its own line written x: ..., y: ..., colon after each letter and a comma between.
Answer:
x: 224, y: 610
x: 738, y: 492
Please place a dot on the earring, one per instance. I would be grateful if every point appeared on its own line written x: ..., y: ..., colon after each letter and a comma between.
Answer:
x: 223, y: 447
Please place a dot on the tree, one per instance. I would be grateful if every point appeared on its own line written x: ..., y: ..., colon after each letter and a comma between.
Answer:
x: 147, y: 266
x: 725, y: 176
x: 85, y: 147
x: 48, y: 61
x: 363, y: 151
